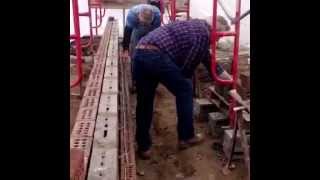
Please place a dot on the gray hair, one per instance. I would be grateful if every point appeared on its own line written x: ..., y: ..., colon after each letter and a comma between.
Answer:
x: 146, y: 16
x: 222, y: 23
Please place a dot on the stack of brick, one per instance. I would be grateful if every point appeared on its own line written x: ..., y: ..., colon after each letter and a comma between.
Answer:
x: 227, y: 142
x: 202, y: 107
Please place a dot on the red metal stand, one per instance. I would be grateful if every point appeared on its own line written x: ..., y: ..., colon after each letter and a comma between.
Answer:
x: 97, y: 4
x: 234, y: 69
x: 173, y: 9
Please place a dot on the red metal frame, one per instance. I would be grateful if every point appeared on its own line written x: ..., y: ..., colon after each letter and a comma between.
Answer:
x: 173, y: 9
x: 234, y: 69
x: 77, y: 35
x: 77, y: 39
x: 97, y: 5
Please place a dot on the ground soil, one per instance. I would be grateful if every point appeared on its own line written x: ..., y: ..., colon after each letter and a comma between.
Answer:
x: 197, y: 163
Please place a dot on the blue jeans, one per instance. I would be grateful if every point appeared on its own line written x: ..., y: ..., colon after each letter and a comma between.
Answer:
x: 149, y: 68
x: 136, y: 35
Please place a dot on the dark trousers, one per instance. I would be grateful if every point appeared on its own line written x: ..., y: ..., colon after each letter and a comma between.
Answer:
x: 149, y: 68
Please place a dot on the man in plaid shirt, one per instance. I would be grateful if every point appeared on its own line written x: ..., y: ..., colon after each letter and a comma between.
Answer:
x: 169, y: 55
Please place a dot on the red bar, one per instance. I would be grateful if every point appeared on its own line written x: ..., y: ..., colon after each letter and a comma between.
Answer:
x: 234, y: 70
x: 78, y: 41
x: 214, y: 39
x: 104, y: 12
x: 221, y: 34
x: 73, y: 36
x: 84, y: 14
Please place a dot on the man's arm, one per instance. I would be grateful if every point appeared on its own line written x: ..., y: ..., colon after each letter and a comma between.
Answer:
x: 126, y: 37
x: 157, y: 21
x: 219, y: 69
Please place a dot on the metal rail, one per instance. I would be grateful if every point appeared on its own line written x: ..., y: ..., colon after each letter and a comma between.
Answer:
x: 77, y: 35
x: 215, y: 35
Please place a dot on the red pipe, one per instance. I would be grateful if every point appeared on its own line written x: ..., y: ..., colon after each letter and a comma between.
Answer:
x: 77, y: 40
x: 90, y: 27
x: 100, y: 18
x: 73, y: 36
x: 221, y: 34
x: 104, y: 12
x: 234, y: 69
x: 96, y: 27
x: 214, y: 39
x: 84, y: 14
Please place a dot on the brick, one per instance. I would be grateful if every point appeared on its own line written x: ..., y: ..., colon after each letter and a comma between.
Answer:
x: 87, y: 114
x: 95, y: 77
x: 83, y: 129
x: 110, y: 85
x: 106, y: 132
x: 227, y: 141
x: 92, y: 92
x: 88, y: 102
x: 95, y: 83
x: 108, y: 104
x: 81, y: 143
x: 216, y: 121
x: 202, y: 107
x: 104, y: 165
x: 97, y: 70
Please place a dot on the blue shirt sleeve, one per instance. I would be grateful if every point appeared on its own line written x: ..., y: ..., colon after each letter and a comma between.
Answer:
x: 157, y: 21
x: 132, y: 20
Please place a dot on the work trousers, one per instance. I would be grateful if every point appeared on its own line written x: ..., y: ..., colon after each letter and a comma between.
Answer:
x: 151, y: 67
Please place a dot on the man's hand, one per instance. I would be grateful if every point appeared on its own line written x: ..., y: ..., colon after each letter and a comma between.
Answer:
x: 225, y: 76
x: 125, y: 54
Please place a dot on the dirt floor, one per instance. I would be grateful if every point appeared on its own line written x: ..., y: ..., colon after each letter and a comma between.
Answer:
x: 197, y: 163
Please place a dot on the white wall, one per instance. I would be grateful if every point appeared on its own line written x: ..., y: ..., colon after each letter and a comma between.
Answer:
x: 203, y: 8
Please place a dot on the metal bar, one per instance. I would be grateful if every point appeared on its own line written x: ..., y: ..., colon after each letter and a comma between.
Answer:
x: 96, y: 14
x: 90, y: 43
x: 241, y: 17
x: 104, y: 12
x: 234, y: 140
x: 214, y: 38
x: 84, y: 14
x: 76, y: 22
x: 234, y: 68
x: 222, y: 34
x: 225, y: 10
x: 73, y: 36
x: 100, y: 19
